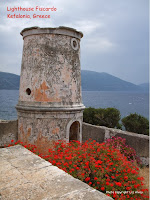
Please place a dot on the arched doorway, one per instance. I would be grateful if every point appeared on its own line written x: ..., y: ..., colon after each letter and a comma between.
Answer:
x: 74, y: 131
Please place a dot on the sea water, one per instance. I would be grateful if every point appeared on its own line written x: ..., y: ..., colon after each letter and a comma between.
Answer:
x: 126, y: 102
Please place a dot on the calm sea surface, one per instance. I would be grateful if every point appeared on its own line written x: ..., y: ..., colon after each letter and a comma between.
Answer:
x: 126, y: 102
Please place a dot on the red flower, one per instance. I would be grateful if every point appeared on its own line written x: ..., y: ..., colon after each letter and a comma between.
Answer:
x: 102, y: 188
x: 95, y: 178
x: 118, y: 184
x: 87, y: 179
x: 111, y: 163
x: 12, y: 141
x: 107, y: 183
x: 87, y: 163
x: 53, y: 162
x: 140, y: 178
x: 98, y: 162
x: 136, y: 186
x: 133, y: 172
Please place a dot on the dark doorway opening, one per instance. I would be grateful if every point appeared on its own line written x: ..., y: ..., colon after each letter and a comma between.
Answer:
x: 74, y: 131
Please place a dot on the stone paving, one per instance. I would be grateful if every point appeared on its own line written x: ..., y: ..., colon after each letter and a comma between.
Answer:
x: 26, y: 176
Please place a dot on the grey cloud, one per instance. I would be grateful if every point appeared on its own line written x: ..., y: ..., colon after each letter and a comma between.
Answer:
x: 115, y: 35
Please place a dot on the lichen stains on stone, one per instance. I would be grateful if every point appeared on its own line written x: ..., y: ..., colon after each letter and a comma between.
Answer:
x: 25, y: 137
x: 40, y: 94
x: 43, y: 143
x: 51, y: 69
x: 66, y: 76
x: 55, y: 130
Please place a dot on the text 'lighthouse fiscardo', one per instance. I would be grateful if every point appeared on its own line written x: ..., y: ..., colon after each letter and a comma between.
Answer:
x: 50, y: 102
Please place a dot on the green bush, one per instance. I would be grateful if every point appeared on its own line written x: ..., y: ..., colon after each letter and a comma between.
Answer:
x: 136, y: 123
x: 88, y: 115
x: 108, y: 117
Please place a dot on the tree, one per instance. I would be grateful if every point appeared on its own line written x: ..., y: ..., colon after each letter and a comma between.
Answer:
x: 108, y: 117
x: 88, y: 115
x: 136, y: 123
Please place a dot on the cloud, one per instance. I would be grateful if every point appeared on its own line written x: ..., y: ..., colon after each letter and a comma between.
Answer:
x: 115, y: 34
x: 99, y: 45
x: 86, y: 26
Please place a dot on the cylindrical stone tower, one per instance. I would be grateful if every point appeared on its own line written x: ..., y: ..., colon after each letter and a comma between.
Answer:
x: 50, y: 103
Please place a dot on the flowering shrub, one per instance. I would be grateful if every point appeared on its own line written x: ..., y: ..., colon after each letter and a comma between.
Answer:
x: 102, y: 166
x: 129, y: 152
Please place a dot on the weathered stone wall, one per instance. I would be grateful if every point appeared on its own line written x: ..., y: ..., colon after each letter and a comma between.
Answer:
x: 137, y: 141
x: 8, y: 132
x: 50, y: 67
x: 41, y: 128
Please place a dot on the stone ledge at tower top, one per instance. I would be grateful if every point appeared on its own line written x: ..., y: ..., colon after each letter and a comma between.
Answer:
x: 25, y: 175
x: 61, y: 30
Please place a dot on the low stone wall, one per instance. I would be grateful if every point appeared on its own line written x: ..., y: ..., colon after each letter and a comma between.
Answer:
x: 8, y: 132
x: 139, y: 142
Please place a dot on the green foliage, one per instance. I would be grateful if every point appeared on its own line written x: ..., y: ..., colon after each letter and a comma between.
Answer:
x: 136, y: 123
x: 88, y: 115
x: 108, y: 117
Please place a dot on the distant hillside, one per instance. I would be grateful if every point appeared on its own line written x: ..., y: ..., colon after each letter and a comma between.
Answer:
x: 91, y: 81
x: 94, y: 81
x: 144, y: 86
x: 9, y: 81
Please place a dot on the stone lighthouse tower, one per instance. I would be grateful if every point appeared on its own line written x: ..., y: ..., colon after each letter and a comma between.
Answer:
x: 50, y: 103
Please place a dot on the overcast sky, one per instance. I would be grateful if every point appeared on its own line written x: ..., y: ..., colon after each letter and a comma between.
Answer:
x: 115, y: 34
